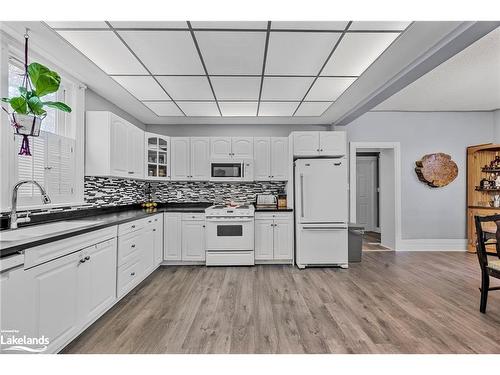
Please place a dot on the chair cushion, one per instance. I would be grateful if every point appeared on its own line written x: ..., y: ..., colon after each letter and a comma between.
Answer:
x: 494, y: 265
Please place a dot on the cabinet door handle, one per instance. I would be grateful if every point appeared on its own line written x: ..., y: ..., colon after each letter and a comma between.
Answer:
x: 130, y: 172
x: 150, y: 221
x: 132, y: 274
x: 82, y: 260
x: 203, y: 226
x: 133, y: 245
x: 317, y: 149
x: 154, y: 230
x: 133, y: 226
x: 87, y: 257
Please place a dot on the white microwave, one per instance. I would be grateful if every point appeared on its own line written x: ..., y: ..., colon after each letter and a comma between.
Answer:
x: 231, y: 170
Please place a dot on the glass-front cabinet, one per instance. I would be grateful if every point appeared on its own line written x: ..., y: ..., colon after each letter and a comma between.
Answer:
x: 157, y: 157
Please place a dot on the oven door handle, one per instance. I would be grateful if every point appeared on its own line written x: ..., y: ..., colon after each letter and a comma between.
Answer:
x: 229, y: 221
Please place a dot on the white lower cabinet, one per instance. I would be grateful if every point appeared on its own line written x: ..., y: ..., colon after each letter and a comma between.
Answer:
x: 184, y: 237
x: 274, y: 236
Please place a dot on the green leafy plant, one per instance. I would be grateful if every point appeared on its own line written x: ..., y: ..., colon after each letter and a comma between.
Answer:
x: 43, y: 82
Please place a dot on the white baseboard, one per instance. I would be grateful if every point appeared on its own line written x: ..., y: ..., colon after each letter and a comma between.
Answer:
x: 433, y: 245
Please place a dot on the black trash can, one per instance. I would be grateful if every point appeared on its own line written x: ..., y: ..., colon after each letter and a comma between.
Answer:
x: 355, y: 242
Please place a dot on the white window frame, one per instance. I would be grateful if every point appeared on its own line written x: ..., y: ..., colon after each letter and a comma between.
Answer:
x: 9, y: 46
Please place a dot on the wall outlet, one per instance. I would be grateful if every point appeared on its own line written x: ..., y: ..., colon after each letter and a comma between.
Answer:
x: 179, y: 194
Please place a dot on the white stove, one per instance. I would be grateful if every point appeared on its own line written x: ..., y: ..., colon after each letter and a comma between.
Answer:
x: 230, y: 235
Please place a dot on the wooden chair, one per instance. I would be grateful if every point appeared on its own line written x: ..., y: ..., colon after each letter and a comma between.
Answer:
x: 488, y: 267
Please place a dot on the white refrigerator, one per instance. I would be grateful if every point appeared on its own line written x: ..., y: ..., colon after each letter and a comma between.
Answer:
x: 321, y: 212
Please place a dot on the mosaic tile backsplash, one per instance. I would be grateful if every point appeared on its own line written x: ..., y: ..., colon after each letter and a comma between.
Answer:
x: 103, y: 191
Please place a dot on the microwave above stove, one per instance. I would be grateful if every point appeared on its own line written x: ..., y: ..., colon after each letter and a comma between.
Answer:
x: 231, y: 170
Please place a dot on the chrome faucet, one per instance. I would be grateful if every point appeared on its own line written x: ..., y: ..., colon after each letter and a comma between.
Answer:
x: 13, y: 213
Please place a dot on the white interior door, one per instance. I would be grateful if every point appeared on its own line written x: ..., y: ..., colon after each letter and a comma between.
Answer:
x: 366, y: 192
x: 322, y: 190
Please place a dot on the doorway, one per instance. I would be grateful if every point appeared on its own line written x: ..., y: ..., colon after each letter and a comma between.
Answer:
x: 375, y: 192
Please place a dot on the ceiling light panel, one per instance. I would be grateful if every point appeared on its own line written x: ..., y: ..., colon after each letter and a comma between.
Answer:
x: 312, y: 108
x: 78, y: 25
x: 328, y: 88
x: 164, y: 108
x: 227, y: 52
x: 238, y: 108
x: 304, y: 25
x: 262, y: 25
x: 296, y: 53
x: 285, y: 88
x: 356, y: 52
x: 199, y: 108
x: 143, y: 88
x: 187, y: 88
x: 165, y: 52
x: 236, y: 88
x: 277, y: 108
x: 106, y: 50
x: 379, y: 25
x: 150, y: 24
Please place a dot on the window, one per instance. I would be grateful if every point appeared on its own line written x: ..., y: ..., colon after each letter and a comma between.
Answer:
x: 53, y: 162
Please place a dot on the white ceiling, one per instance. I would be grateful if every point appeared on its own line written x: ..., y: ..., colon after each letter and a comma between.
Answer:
x: 469, y: 81
x: 231, y: 68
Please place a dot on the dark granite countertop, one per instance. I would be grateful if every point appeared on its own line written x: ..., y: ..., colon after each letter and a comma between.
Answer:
x: 103, y: 217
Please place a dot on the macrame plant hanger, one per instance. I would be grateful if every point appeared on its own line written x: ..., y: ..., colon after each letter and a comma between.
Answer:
x: 21, y: 128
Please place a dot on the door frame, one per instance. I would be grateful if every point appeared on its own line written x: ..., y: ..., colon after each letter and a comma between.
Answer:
x: 354, y: 147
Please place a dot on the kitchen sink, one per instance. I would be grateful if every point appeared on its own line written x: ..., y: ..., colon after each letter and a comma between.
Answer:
x: 45, y: 229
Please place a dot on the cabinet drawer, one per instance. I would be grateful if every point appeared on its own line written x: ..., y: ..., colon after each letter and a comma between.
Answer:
x: 193, y: 216
x: 132, y: 226
x: 128, y: 275
x: 273, y: 215
x: 129, y: 246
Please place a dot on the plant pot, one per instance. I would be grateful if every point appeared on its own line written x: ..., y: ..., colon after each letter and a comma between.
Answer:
x: 27, y: 124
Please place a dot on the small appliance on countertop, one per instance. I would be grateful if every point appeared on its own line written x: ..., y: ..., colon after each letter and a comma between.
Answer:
x: 266, y: 201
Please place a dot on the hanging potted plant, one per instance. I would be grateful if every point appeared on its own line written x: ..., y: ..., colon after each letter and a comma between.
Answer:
x: 28, y: 108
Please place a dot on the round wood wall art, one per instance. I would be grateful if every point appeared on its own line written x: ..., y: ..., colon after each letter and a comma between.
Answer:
x: 436, y: 170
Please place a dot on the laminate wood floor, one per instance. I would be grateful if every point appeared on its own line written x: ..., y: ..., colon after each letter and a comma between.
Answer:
x: 406, y: 302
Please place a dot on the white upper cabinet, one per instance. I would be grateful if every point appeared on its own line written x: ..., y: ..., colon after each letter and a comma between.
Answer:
x: 279, y: 158
x: 190, y: 158
x: 180, y: 158
x: 235, y: 147
x: 271, y: 158
x: 113, y: 146
x: 220, y: 147
x: 200, y: 154
x: 262, y: 160
x: 306, y: 143
x: 157, y: 156
x: 315, y: 143
x: 242, y: 147
x: 332, y: 143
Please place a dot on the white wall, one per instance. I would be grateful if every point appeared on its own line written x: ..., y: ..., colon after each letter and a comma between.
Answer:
x: 231, y: 130
x: 428, y: 213
x: 95, y: 102
x: 496, y: 121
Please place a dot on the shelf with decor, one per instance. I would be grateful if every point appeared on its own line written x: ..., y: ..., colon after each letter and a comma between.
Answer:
x: 157, y: 157
x: 482, y: 187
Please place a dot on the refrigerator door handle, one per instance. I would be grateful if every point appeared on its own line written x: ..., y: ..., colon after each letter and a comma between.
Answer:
x: 302, y: 195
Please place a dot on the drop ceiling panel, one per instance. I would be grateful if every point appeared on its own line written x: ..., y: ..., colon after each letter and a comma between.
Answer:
x: 164, y: 108
x: 187, y: 88
x: 277, y: 108
x: 227, y: 52
x: 77, y: 24
x: 329, y: 88
x: 199, y: 108
x: 312, y: 108
x: 356, y: 52
x: 165, y: 52
x: 106, y: 50
x: 379, y: 25
x: 304, y: 25
x: 238, y: 108
x: 229, y: 24
x: 298, y: 53
x: 285, y: 88
x: 236, y: 88
x: 143, y: 88
x: 150, y: 24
